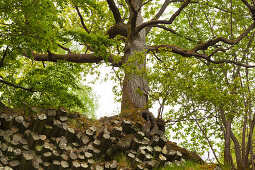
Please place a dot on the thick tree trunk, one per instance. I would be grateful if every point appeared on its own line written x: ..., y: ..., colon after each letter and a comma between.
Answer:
x: 135, y: 86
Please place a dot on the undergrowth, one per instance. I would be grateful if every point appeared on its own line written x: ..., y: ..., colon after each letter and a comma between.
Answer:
x: 189, y: 165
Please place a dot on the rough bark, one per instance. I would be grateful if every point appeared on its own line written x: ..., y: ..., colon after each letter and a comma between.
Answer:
x: 243, y: 142
x: 227, y: 153
x: 135, y: 86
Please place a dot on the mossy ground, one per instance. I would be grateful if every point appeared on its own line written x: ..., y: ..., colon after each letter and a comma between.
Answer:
x: 190, y: 165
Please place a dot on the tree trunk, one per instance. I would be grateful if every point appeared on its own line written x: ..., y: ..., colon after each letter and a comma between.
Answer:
x: 135, y: 85
x: 237, y: 150
x: 243, y: 142
x: 227, y: 153
x: 227, y: 143
x: 249, y: 143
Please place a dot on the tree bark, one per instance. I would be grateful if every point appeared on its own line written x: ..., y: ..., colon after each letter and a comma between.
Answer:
x: 135, y: 85
x: 227, y: 153
x: 227, y: 142
x: 249, y: 143
x: 243, y: 142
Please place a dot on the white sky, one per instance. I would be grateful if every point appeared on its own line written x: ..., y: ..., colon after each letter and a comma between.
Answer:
x: 106, y: 103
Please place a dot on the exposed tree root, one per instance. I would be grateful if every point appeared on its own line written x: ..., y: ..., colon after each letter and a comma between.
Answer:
x: 157, y: 126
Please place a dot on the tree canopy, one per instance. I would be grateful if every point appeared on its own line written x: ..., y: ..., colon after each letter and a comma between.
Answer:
x: 198, y: 55
x: 30, y: 26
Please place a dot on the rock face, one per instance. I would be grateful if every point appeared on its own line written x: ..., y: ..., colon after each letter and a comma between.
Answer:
x: 55, y: 139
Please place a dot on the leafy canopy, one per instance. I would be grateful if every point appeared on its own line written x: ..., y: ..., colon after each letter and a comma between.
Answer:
x: 39, y: 26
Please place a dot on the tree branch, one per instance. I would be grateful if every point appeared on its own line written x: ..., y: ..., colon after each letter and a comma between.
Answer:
x: 219, y: 8
x: 155, y: 22
x: 159, y: 14
x: 205, y: 45
x: 250, y: 7
x: 173, y: 31
x: 73, y: 57
x: 190, y: 53
x: 176, y: 50
x: 16, y: 86
x: 4, y: 55
x: 82, y: 20
x: 144, y: 4
x: 157, y: 57
x: 247, y: 4
x: 115, y: 11
x: 133, y: 18
x: 216, y: 50
x: 162, y: 10
x: 207, y: 139
x: 64, y: 48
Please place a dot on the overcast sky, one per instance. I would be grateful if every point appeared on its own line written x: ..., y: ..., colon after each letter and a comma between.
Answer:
x: 106, y: 104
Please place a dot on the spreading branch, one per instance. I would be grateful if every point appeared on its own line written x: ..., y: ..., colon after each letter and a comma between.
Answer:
x: 73, y: 57
x: 176, y: 50
x: 205, y: 45
x: 170, y: 21
x: 190, y: 53
x: 16, y: 86
x: 159, y: 14
x: 115, y: 11
x: 82, y: 20
x: 174, y: 32
x: 144, y: 4
x: 162, y: 10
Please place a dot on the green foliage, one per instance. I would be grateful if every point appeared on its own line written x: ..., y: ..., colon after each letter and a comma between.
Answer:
x: 53, y: 85
x: 40, y: 26
x: 99, y: 43
x: 19, y: 25
x: 188, y: 165
x: 198, y: 90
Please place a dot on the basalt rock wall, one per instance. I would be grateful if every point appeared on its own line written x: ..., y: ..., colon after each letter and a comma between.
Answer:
x: 55, y: 139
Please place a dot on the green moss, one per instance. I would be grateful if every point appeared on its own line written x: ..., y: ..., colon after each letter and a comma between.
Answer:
x: 122, y: 160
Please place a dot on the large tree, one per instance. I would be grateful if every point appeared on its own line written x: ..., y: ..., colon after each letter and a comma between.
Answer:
x: 124, y: 34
